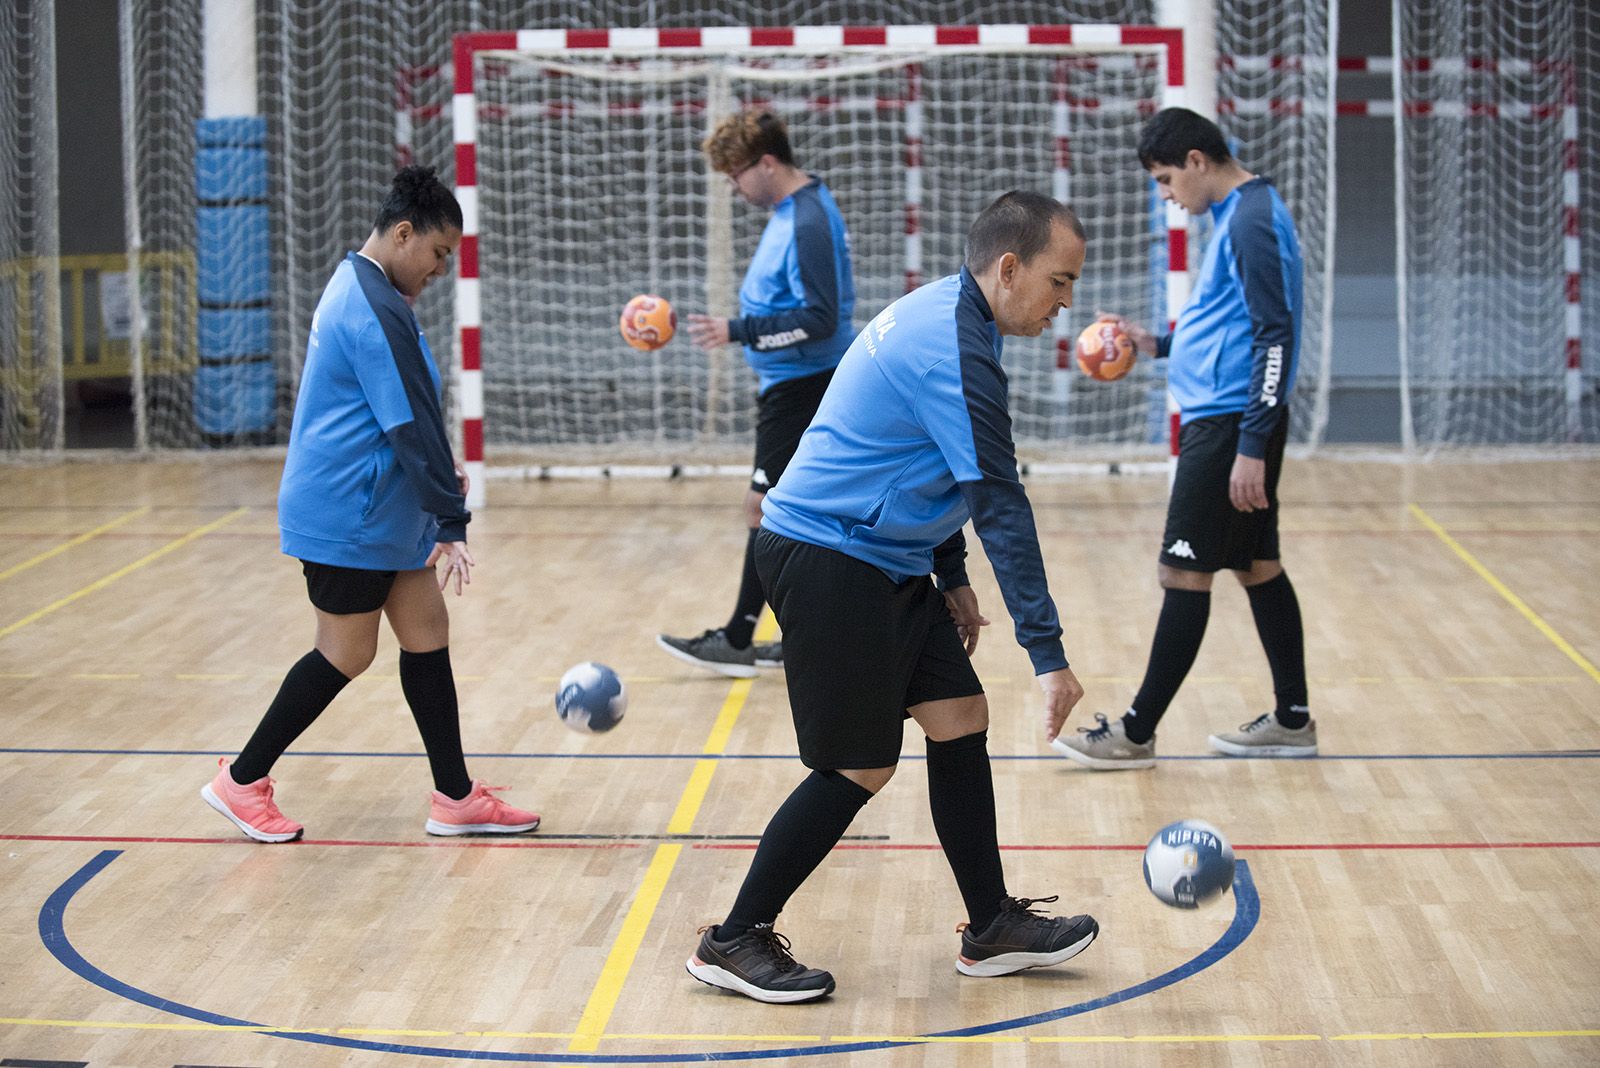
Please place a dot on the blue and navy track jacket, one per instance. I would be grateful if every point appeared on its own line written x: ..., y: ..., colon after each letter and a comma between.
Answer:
x: 1236, y: 343
x: 798, y: 296
x: 912, y: 439
x: 369, y: 481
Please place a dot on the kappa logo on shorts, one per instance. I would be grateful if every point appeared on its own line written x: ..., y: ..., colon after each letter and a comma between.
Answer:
x: 759, y: 477
x: 1180, y: 548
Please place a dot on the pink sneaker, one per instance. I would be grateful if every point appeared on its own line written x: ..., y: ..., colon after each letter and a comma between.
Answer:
x: 250, y: 807
x: 478, y: 813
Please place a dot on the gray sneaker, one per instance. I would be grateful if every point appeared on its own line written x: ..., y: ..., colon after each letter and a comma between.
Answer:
x: 769, y: 654
x: 1106, y: 747
x: 1264, y: 736
x: 712, y: 652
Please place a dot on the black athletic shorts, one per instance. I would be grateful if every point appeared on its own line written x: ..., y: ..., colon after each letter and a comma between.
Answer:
x: 346, y: 591
x: 1205, y: 532
x: 782, y: 415
x: 858, y: 650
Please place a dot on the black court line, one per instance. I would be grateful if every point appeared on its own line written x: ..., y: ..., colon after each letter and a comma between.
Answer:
x: 1542, y: 754
x: 699, y: 506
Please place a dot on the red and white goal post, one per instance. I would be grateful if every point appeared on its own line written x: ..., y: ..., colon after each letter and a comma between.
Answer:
x: 581, y: 182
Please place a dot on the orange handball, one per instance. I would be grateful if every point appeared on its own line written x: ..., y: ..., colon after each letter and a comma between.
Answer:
x: 648, y: 322
x: 1105, y: 353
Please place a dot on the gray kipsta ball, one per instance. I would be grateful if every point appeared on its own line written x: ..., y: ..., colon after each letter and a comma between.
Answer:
x: 1188, y: 864
x: 590, y: 698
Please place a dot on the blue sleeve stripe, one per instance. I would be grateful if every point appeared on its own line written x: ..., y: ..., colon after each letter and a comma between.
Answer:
x: 817, y: 319
x: 421, y: 446
x: 1263, y: 269
x: 1001, y: 514
x: 983, y: 386
x: 813, y: 243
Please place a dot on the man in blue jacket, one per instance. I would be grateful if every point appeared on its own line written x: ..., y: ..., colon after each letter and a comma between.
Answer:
x: 794, y: 322
x: 912, y: 440
x: 1232, y: 361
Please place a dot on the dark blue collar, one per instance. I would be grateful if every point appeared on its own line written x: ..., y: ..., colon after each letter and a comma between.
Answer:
x: 969, y: 286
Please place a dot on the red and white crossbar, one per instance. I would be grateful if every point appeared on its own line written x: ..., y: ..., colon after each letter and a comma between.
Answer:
x: 1165, y: 42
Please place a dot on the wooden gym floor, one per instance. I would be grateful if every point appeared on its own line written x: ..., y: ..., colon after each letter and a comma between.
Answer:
x: 1424, y: 893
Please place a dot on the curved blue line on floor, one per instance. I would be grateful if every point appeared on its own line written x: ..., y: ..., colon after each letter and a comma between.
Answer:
x: 52, y: 931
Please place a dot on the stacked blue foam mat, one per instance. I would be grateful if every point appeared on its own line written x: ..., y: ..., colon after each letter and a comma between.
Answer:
x: 235, y: 386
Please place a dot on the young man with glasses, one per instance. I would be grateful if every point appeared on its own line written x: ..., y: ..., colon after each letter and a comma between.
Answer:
x: 794, y: 322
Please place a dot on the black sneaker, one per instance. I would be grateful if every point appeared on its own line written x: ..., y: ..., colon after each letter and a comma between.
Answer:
x: 758, y: 965
x: 713, y: 652
x: 1021, y: 937
x: 769, y: 654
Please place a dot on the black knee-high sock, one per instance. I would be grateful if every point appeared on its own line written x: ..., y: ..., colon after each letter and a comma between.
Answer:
x: 742, y: 625
x: 961, y: 798
x: 308, y: 688
x: 1277, y: 612
x: 1179, y: 631
x: 805, y: 829
x: 430, y: 689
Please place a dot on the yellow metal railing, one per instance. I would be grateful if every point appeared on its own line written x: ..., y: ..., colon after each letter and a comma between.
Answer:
x: 170, y: 341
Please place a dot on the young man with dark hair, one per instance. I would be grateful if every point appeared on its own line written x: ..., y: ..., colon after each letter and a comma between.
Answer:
x: 1232, y: 361
x: 795, y: 323
x: 912, y: 440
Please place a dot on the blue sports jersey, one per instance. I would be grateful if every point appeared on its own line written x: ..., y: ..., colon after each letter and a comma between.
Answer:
x: 798, y: 296
x: 912, y: 439
x: 1236, y: 342
x: 369, y: 481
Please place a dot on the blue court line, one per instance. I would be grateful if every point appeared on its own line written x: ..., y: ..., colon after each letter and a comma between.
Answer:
x: 1549, y: 754
x: 52, y: 932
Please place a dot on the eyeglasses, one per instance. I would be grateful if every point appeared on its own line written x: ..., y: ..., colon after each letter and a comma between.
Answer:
x: 734, y: 176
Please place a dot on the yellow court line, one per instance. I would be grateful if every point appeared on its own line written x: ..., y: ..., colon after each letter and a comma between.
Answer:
x: 603, y: 1000
x: 1416, y: 1035
x: 130, y: 1025
x: 73, y: 542
x: 722, y: 729
x: 517, y: 1034
x: 931, y: 1040
x: 103, y: 582
x: 380, y: 1032
x: 608, y: 988
x: 715, y: 1038
x: 1148, y: 1039
x: 693, y: 794
x: 1500, y: 587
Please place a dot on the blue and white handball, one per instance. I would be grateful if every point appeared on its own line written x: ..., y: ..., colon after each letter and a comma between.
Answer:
x: 1188, y: 864
x: 591, y: 698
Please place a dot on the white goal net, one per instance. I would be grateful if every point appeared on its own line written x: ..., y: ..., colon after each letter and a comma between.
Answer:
x: 1490, y: 265
x: 591, y: 188
x: 30, y: 280
x: 1275, y: 101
